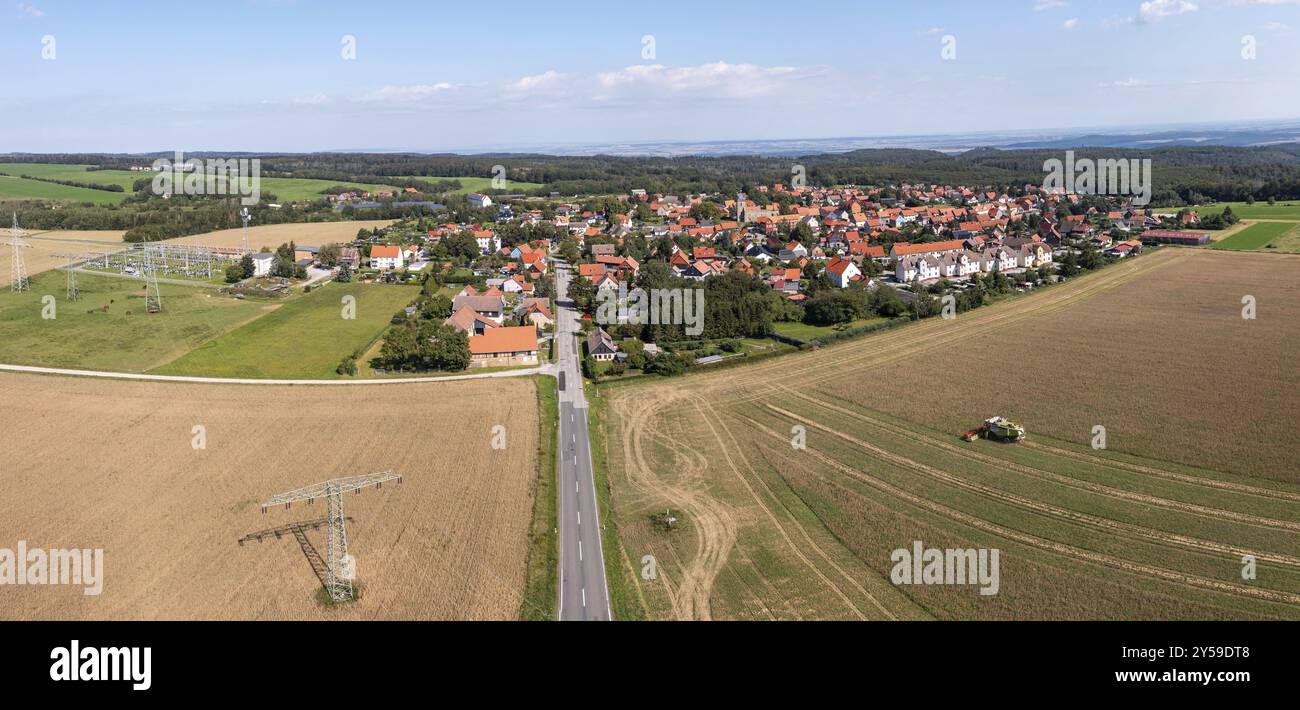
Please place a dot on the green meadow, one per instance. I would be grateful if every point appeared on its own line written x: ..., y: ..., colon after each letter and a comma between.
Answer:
x: 1256, y: 236
x: 15, y: 188
x: 478, y: 184
x: 108, y: 328
x: 284, y: 189
x: 305, y: 338
x: 1288, y: 210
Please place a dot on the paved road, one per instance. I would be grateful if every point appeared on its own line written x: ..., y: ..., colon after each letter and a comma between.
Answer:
x: 584, y: 594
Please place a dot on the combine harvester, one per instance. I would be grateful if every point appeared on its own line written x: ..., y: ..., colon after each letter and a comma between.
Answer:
x: 997, y: 429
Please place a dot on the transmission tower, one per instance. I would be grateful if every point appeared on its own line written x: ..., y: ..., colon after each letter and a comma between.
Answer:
x: 152, y: 294
x: 18, y: 269
x: 245, y: 215
x: 338, y: 579
x: 74, y: 293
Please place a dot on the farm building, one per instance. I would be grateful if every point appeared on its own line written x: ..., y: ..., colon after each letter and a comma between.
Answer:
x: 1164, y: 236
x: 498, y: 347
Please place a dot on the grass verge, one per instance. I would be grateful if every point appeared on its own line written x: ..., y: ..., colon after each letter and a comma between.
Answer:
x: 541, y: 585
x: 624, y: 600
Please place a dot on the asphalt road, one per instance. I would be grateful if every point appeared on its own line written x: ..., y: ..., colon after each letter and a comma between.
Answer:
x: 584, y: 594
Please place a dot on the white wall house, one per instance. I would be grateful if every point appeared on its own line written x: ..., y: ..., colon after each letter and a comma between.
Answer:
x: 386, y: 257
x: 911, y: 268
x: 842, y: 272
x: 262, y: 263
x: 1034, y: 255
x: 997, y: 259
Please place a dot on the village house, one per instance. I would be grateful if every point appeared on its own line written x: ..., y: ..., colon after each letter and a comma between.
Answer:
x: 503, y: 347
x: 600, y: 346
x: 842, y: 272
x: 468, y: 321
x: 536, y: 311
x: 488, y: 305
x: 384, y: 257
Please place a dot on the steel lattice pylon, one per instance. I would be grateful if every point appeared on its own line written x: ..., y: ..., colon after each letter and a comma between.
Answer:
x: 18, y: 280
x: 152, y: 294
x: 74, y: 293
x: 338, y: 578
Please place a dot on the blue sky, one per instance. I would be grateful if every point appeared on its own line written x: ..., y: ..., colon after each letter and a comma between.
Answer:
x: 269, y: 75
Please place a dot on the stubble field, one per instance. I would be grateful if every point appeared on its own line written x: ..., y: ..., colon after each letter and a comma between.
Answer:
x: 103, y: 464
x: 43, y: 248
x: 1155, y: 349
x: 273, y: 235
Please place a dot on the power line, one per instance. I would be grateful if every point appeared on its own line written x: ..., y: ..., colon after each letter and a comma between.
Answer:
x: 338, y: 578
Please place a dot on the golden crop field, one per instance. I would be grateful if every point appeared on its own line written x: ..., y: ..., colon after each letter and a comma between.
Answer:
x: 1155, y: 526
x: 273, y: 235
x: 111, y: 465
x: 44, y: 248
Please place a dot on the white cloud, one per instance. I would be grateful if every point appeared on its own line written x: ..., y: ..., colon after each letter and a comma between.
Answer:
x: 705, y: 83
x: 315, y: 99
x: 28, y: 11
x: 1049, y: 5
x: 405, y: 94
x: 718, y: 79
x: 932, y: 31
x: 1277, y: 27
x: 1118, y: 21
x: 1070, y: 24
x: 1155, y: 10
x: 537, y: 81
x: 1129, y: 83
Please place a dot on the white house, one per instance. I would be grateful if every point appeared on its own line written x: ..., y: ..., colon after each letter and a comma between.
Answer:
x: 959, y: 265
x: 386, y: 257
x: 1034, y: 255
x: 842, y: 272
x: 917, y: 266
x: 479, y: 201
x: 997, y: 259
x: 488, y: 242
x: 262, y: 263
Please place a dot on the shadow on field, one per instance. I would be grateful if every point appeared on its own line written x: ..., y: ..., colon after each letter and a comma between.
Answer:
x: 299, y: 532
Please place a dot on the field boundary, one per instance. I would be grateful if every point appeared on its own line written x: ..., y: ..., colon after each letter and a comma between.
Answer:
x: 542, y: 581
x: 191, y: 379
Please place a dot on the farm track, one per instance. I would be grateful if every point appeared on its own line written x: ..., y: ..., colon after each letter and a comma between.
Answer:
x: 1038, y: 542
x: 1049, y: 509
x: 701, y: 406
x: 1101, y: 489
x: 713, y: 523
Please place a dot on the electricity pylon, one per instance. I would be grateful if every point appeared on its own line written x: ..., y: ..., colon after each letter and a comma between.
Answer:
x: 74, y: 293
x: 18, y: 280
x: 245, y: 215
x: 338, y: 579
x: 152, y: 294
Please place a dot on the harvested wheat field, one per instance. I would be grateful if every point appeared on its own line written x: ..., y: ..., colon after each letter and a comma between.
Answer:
x: 1153, y: 527
x: 273, y: 235
x: 44, y: 248
x: 104, y: 464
